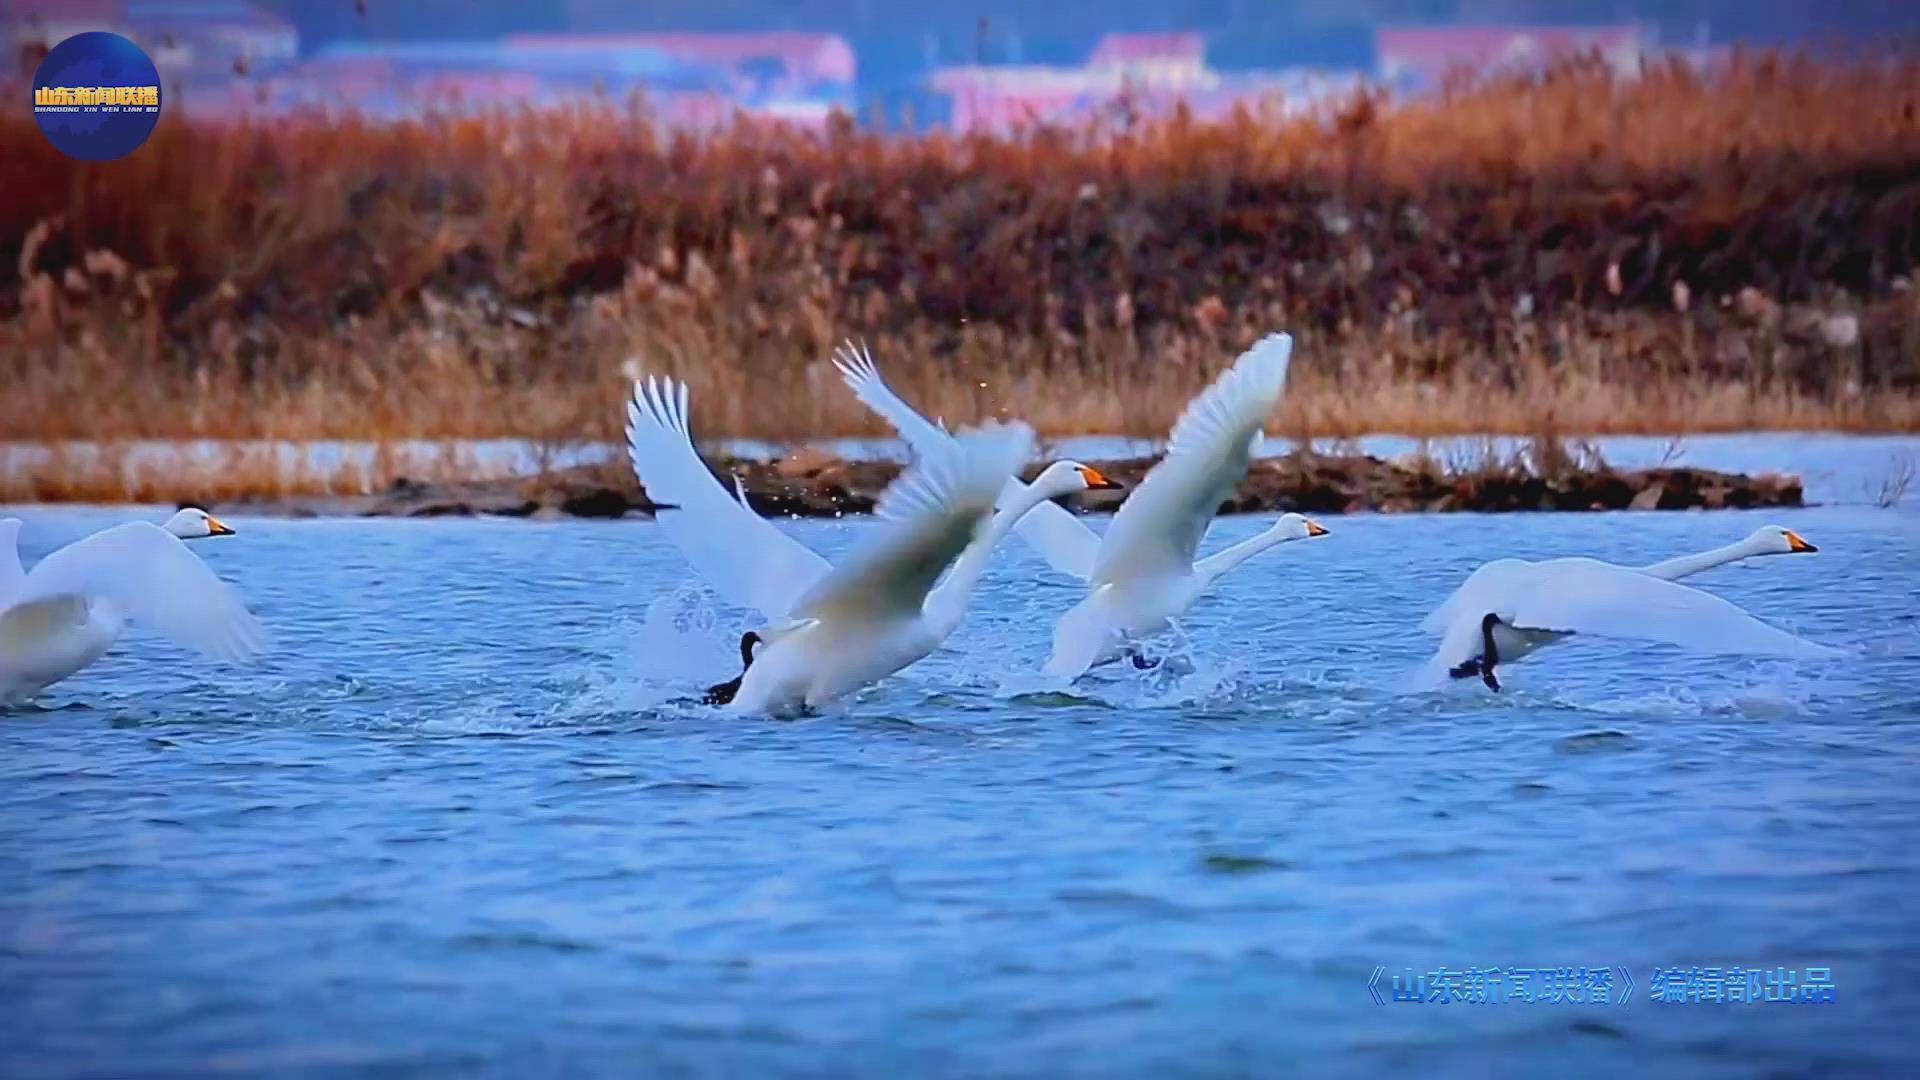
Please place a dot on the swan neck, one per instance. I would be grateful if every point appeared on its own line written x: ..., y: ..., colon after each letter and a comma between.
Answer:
x: 1227, y: 558
x: 951, y: 596
x: 1676, y: 568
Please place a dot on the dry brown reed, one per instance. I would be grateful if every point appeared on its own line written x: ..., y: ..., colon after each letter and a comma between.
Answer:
x: 1574, y: 251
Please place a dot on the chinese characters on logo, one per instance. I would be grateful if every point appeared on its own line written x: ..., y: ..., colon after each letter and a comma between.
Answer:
x: 1599, y: 985
x: 95, y: 96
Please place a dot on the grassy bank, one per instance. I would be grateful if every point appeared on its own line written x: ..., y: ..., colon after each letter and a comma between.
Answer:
x: 1575, y: 253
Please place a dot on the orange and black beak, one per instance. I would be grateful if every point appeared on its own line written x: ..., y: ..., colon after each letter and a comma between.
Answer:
x: 1794, y: 543
x: 216, y: 527
x: 1314, y: 529
x: 1097, y: 481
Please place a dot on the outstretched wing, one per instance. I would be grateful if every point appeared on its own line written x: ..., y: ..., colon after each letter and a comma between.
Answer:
x: 152, y: 577
x: 862, y: 376
x: 741, y: 554
x: 1484, y: 585
x: 1158, y: 529
x: 1050, y: 529
x: 1588, y: 596
x: 11, y: 575
x: 928, y: 515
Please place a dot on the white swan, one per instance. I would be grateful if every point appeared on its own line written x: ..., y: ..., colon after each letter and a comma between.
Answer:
x: 831, y: 630
x: 1143, y: 574
x: 1511, y: 608
x: 70, y: 609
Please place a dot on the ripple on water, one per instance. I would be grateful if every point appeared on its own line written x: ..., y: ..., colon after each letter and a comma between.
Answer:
x: 468, y: 813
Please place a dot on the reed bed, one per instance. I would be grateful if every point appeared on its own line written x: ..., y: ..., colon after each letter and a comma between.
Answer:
x: 1575, y: 251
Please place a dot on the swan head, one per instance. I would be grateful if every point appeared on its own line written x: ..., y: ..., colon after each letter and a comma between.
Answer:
x: 1297, y: 527
x: 1067, y: 477
x: 194, y: 523
x: 1777, y: 540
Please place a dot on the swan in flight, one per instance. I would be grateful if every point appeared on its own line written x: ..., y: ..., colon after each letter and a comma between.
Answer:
x: 830, y: 630
x: 1511, y: 608
x: 1144, y: 573
x: 70, y: 609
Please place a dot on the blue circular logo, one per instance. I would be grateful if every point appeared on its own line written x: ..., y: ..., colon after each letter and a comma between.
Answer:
x: 96, y: 96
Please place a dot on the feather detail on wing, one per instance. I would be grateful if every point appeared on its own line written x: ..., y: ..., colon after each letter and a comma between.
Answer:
x: 928, y: 516
x: 862, y: 376
x: 743, y: 556
x: 1065, y: 542
x: 1159, y: 528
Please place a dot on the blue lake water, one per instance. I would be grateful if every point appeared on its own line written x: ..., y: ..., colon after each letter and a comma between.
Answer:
x: 459, y: 822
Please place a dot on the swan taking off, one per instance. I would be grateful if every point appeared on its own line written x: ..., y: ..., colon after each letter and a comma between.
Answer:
x: 1143, y: 574
x: 831, y: 630
x: 70, y: 609
x: 1511, y: 608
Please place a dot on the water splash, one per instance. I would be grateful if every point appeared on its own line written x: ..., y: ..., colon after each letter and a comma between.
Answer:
x: 664, y: 662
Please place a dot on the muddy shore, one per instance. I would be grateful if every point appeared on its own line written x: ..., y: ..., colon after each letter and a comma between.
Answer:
x: 812, y: 484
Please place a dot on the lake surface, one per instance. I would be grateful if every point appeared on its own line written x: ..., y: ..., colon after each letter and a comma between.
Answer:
x: 461, y: 821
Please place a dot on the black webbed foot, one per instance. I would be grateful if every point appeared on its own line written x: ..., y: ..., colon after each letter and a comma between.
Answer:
x: 1466, y: 670
x: 1141, y: 660
x: 1490, y: 653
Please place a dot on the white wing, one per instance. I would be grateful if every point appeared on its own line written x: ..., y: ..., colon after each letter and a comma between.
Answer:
x: 929, y: 515
x: 741, y: 554
x: 1482, y: 587
x: 862, y: 376
x: 1050, y: 529
x: 1158, y: 529
x: 11, y: 575
x: 152, y: 577
x: 1587, y: 596
x: 1081, y: 635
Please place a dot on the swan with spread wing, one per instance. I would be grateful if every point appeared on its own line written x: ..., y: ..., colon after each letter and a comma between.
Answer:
x: 74, y: 604
x: 1511, y: 608
x: 1144, y: 573
x: 830, y: 630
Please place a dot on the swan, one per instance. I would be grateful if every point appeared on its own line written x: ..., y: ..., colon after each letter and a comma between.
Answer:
x: 70, y: 609
x: 1143, y: 575
x: 830, y: 630
x: 1511, y: 608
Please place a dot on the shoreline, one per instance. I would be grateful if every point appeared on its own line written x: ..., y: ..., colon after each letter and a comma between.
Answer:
x: 347, y: 476
x: 814, y: 484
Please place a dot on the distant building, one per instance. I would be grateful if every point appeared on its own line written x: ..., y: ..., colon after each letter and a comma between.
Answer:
x: 1134, y: 74
x: 1156, y: 59
x: 1422, y: 57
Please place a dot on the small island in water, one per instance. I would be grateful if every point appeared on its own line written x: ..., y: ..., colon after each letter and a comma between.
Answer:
x: 812, y: 483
